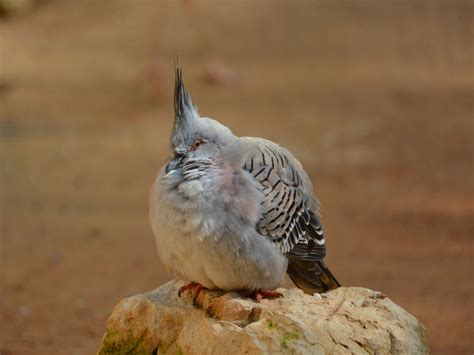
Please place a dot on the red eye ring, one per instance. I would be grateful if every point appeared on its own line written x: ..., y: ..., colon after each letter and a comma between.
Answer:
x: 197, y: 143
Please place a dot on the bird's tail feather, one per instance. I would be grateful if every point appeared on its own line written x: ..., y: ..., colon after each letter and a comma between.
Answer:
x: 311, y: 276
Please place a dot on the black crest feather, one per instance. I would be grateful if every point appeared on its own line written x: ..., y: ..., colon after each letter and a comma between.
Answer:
x: 183, y: 104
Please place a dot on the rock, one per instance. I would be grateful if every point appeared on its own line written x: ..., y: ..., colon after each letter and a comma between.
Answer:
x: 342, y: 321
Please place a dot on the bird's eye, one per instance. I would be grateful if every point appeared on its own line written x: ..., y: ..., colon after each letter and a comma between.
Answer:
x: 196, y: 145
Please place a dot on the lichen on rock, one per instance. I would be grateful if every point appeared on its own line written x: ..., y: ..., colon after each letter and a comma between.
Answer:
x: 344, y: 321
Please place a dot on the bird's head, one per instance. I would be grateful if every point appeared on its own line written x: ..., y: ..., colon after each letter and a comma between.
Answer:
x: 193, y: 137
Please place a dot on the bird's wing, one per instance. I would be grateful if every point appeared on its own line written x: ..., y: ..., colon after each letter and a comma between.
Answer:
x: 289, y: 208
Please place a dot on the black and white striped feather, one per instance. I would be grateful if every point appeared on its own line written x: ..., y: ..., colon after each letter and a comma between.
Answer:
x: 289, y: 215
x: 196, y: 168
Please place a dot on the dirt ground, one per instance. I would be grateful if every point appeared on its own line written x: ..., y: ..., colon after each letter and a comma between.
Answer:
x: 374, y: 97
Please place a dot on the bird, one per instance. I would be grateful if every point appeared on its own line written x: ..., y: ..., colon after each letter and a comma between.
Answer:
x: 235, y: 213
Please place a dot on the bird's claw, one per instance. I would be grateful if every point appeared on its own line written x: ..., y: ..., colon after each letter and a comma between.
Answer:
x: 186, y: 287
x: 259, y: 295
x: 195, y: 287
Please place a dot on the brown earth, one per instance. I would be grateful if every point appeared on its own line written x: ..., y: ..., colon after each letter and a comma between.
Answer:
x: 375, y: 98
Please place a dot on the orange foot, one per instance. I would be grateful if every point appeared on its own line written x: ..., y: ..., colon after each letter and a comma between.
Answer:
x: 259, y: 295
x: 195, y: 287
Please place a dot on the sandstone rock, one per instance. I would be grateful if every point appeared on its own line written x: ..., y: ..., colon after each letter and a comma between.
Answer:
x: 343, y: 321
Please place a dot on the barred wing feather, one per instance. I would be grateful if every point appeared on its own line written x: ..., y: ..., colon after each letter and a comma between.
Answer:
x: 290, y: 217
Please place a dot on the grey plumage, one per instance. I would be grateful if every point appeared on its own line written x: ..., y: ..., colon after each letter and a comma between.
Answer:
x: 290, y: 215
x: 235, y: 212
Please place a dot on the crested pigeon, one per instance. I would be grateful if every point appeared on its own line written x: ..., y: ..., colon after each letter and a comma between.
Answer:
x: 235, y: 213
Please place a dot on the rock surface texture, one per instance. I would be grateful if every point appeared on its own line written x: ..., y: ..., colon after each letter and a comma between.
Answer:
x: 343, y: 321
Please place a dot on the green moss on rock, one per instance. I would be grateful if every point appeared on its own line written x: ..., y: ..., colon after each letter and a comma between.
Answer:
x: 288, y: 337
x: 271, y: 325
x: 113, y: 343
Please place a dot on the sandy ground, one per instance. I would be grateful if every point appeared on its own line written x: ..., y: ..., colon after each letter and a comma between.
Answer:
x: 375, y: 98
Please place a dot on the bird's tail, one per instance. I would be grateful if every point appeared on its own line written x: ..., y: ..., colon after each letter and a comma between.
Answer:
x: 311, y: 276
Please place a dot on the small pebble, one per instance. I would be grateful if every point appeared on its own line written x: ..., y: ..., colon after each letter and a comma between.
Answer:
x: 378, y: 295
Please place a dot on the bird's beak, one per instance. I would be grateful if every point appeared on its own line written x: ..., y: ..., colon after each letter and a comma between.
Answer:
x: 173, y: 164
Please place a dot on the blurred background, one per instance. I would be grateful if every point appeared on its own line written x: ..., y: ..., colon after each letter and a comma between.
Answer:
x: 374, y: 97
